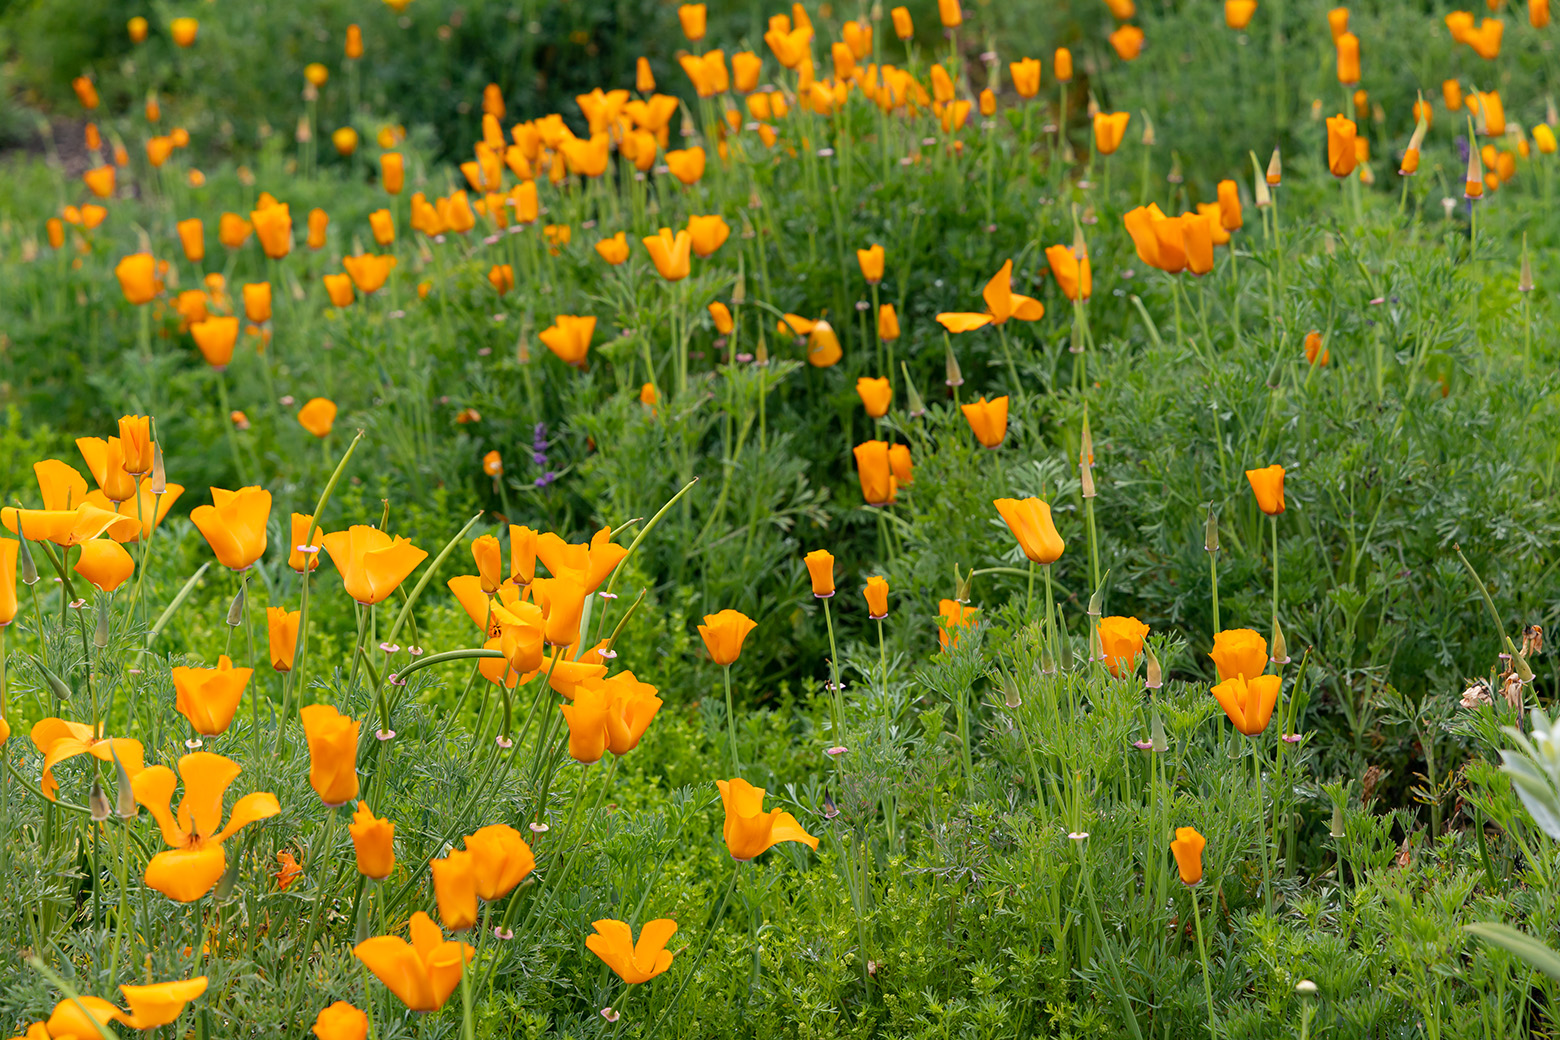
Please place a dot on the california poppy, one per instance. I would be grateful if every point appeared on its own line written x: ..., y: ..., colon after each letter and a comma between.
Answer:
x: 748, y: 830
x: 724, y: 633
x: 333, y: 739
x: 1237, y: 13
x: 1268, y: 485
x: 686, y: 164
x: 876, y: 395
x: 1248, y: 701
x: 1071, y: 272
x: 1341, y: 155
x: 951, y: 616
x: 633, y: 962
x: 340, y: 1021
x: 871, y: 262
x: 1030, y: 521
x: 670, y: 253
x: 887, y: 323
x: 1025, y: 74
x: 373, y: 843
x: 1121, y: 640
x: 614, y: 250
x: 455, y: 889
x: 273, y: 227
x: 234, y: 525
x: 421, y: 973
x: 1188, y: 849
x: 158, y: 1003
x: 988, y: 419
x: 1127, y: 41
x: 820, y: 568
x: 875, y: 471
x: 500, y: 860
x: 569, y: 338
x: 216, y: 337
x: 208, y: 697
x: 137, y: 275
x: 1239, y: 652
x: 1109, y: 128
x: 183, y: 31
x: 1001, y: 304
x: 876, y: 594
x: 371, y: 562
x: 195, y: 862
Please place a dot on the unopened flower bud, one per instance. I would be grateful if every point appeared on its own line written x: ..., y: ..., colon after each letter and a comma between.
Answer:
x: 1306, y: 988
x: 1275, y: 170
x: 1211, y: 531
x: 1156, y: 732
x: 917, y: 406
x: 97, y: 802
x: 1148, y: 131
x: 159, y: 475
x: 1335, y: 830
x: 1010, y: 697
x: 955, y: 375
x: 235, y: 614
x: 100, y: 634
x: 28, y: 568
x: 1280, y: 648
x: 1153, y: 674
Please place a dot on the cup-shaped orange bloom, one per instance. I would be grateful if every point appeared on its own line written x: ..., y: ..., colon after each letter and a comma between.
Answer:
x: 216, y: 337
x: 1002, y: 303
x: 749, y: 831
x: 875, y: 470
x: 1128, y: 42
x: 9, y: 548
x: 1268, y: 485
x: 671, y: 253
x: 1237, y: 13
x: 686, y: 164
x: 301, y: 526
x: 234, y: 525
x: 455, y: 888
x: 988, y: 419
x: 58, y: 740
x: 257, y: 302
x: 233, y: 230
x: 273, y: 227
x: 1109, y: 128
x: 319, y: 223
x: 1025, y: 74
x: 876, y: 594
x: 820, y: 569
x: 100, y: 181
x: 500, y: 858
x: 1249, y: 701
x: 1121, y: 640
x: 952, y: 616
x: 1072, y: 273
x: 502, y: 278
x: 318, y: 416
x: 195, y: 860
x: 1030, y: 521
x: 745, y: 69
x: 950, y: 13
x: 192, y: 236
x: 692, y: 17
x: 489, y: 557
x: 1348, y: 58
x: 1160, y: 240
x: 137, y: 274
x: 1341, y: 155
x: 631, y: 707
x: 373, y: 842
x: 871, y: 263
x: 720, y: 314
x: 382, y: 224
x: 282, y: 630
x: 208, y: 697
x: 1493, y: 110
x: 1230, y: 215
x: 157, y: 1004
x: 708, y: 233
x: 341, y: 1021
x: 633, y: 962
x: 876, y: 395
x: 1313, y: 347
x: 392, y: 172
x: 421, y: 973
x: 823, y: 345
x: 183, y: 31
x: 1485, y: 40
x: 371, y: 562
x: 369, y: 271
x: 106, y: 460
x: 333, y: 740
x: 887, y: 323
x: 1239, y: 652
x: 587, y: 720
x: 1199, y: 232
x: 353, y: 45
x: 614, y: 250
x: 569, y: 337
x: 1538, y: 13
x: 69, y: 527
x: 1187, y: 848
x: 724, y: 633
x: 105, y: 564
x: 563, y: 601
x: 899, y: 464
x: 589, y: 564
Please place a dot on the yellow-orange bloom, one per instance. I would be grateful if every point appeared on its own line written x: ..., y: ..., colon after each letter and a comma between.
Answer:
x: 820, y: 569
x: 368, y: 271
x: 1237, y: 13
x: 888, y: 323
x: 1341, y: 154
x: 871, y: 263
x: 273, y: 227
x: 988, y: 419
x: 455, y: 888
x: 951, y: 616
x: 1249, y: 701
x: 1348, y: 46
x: 1030, y: 521
x: 1187, y: 848
x: 282, y: 629
x: 633, y: 962
x: 421, y: 973
x: 876, y: 395
x: 1121, y: 640
x: 1109, y: 128
x: 100, y: 181
x: 208, y: 697
x: 614, y: 250
x: 105, y: 564
x: 692, y: 17
x: 724, y: 633
x: 671, y: 253
x: 1239, y: 652
x: 183, y: 31
x: 192, y: 236
x: 216, y: 337
x: 341, y: 1021
x: 371, y: 562
x: 686, y: 164
x: 748, y: 830
x: 373, y: 842
x: 195, y: 861
x: 948, y: 10
x: 1025, y: 74
x: 234, y: 525
x: 1268, y: 485
x: 257, y: 302
x: 1002, y: 303
x: 569, y: 338
x: 876, y: 594
x: 333, y: 740
x: 318, y: 416
x: 137, y: 274
x: 708, y: 234
x: 1128, y: 42
x: 1071, y: 272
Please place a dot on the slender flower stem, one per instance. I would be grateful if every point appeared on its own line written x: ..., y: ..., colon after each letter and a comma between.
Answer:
x: 1202, y: 952
x: 731, y: 725
x: 834, y: 673
x: 1274, y: 521
x: 1256, y: 769
x: 698, y: 959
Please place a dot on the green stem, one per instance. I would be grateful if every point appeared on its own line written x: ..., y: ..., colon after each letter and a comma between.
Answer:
x: 731, y: 726
x: 1202, y: 953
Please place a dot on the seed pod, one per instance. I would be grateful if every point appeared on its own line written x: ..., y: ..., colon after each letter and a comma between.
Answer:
x: 57, y: 685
